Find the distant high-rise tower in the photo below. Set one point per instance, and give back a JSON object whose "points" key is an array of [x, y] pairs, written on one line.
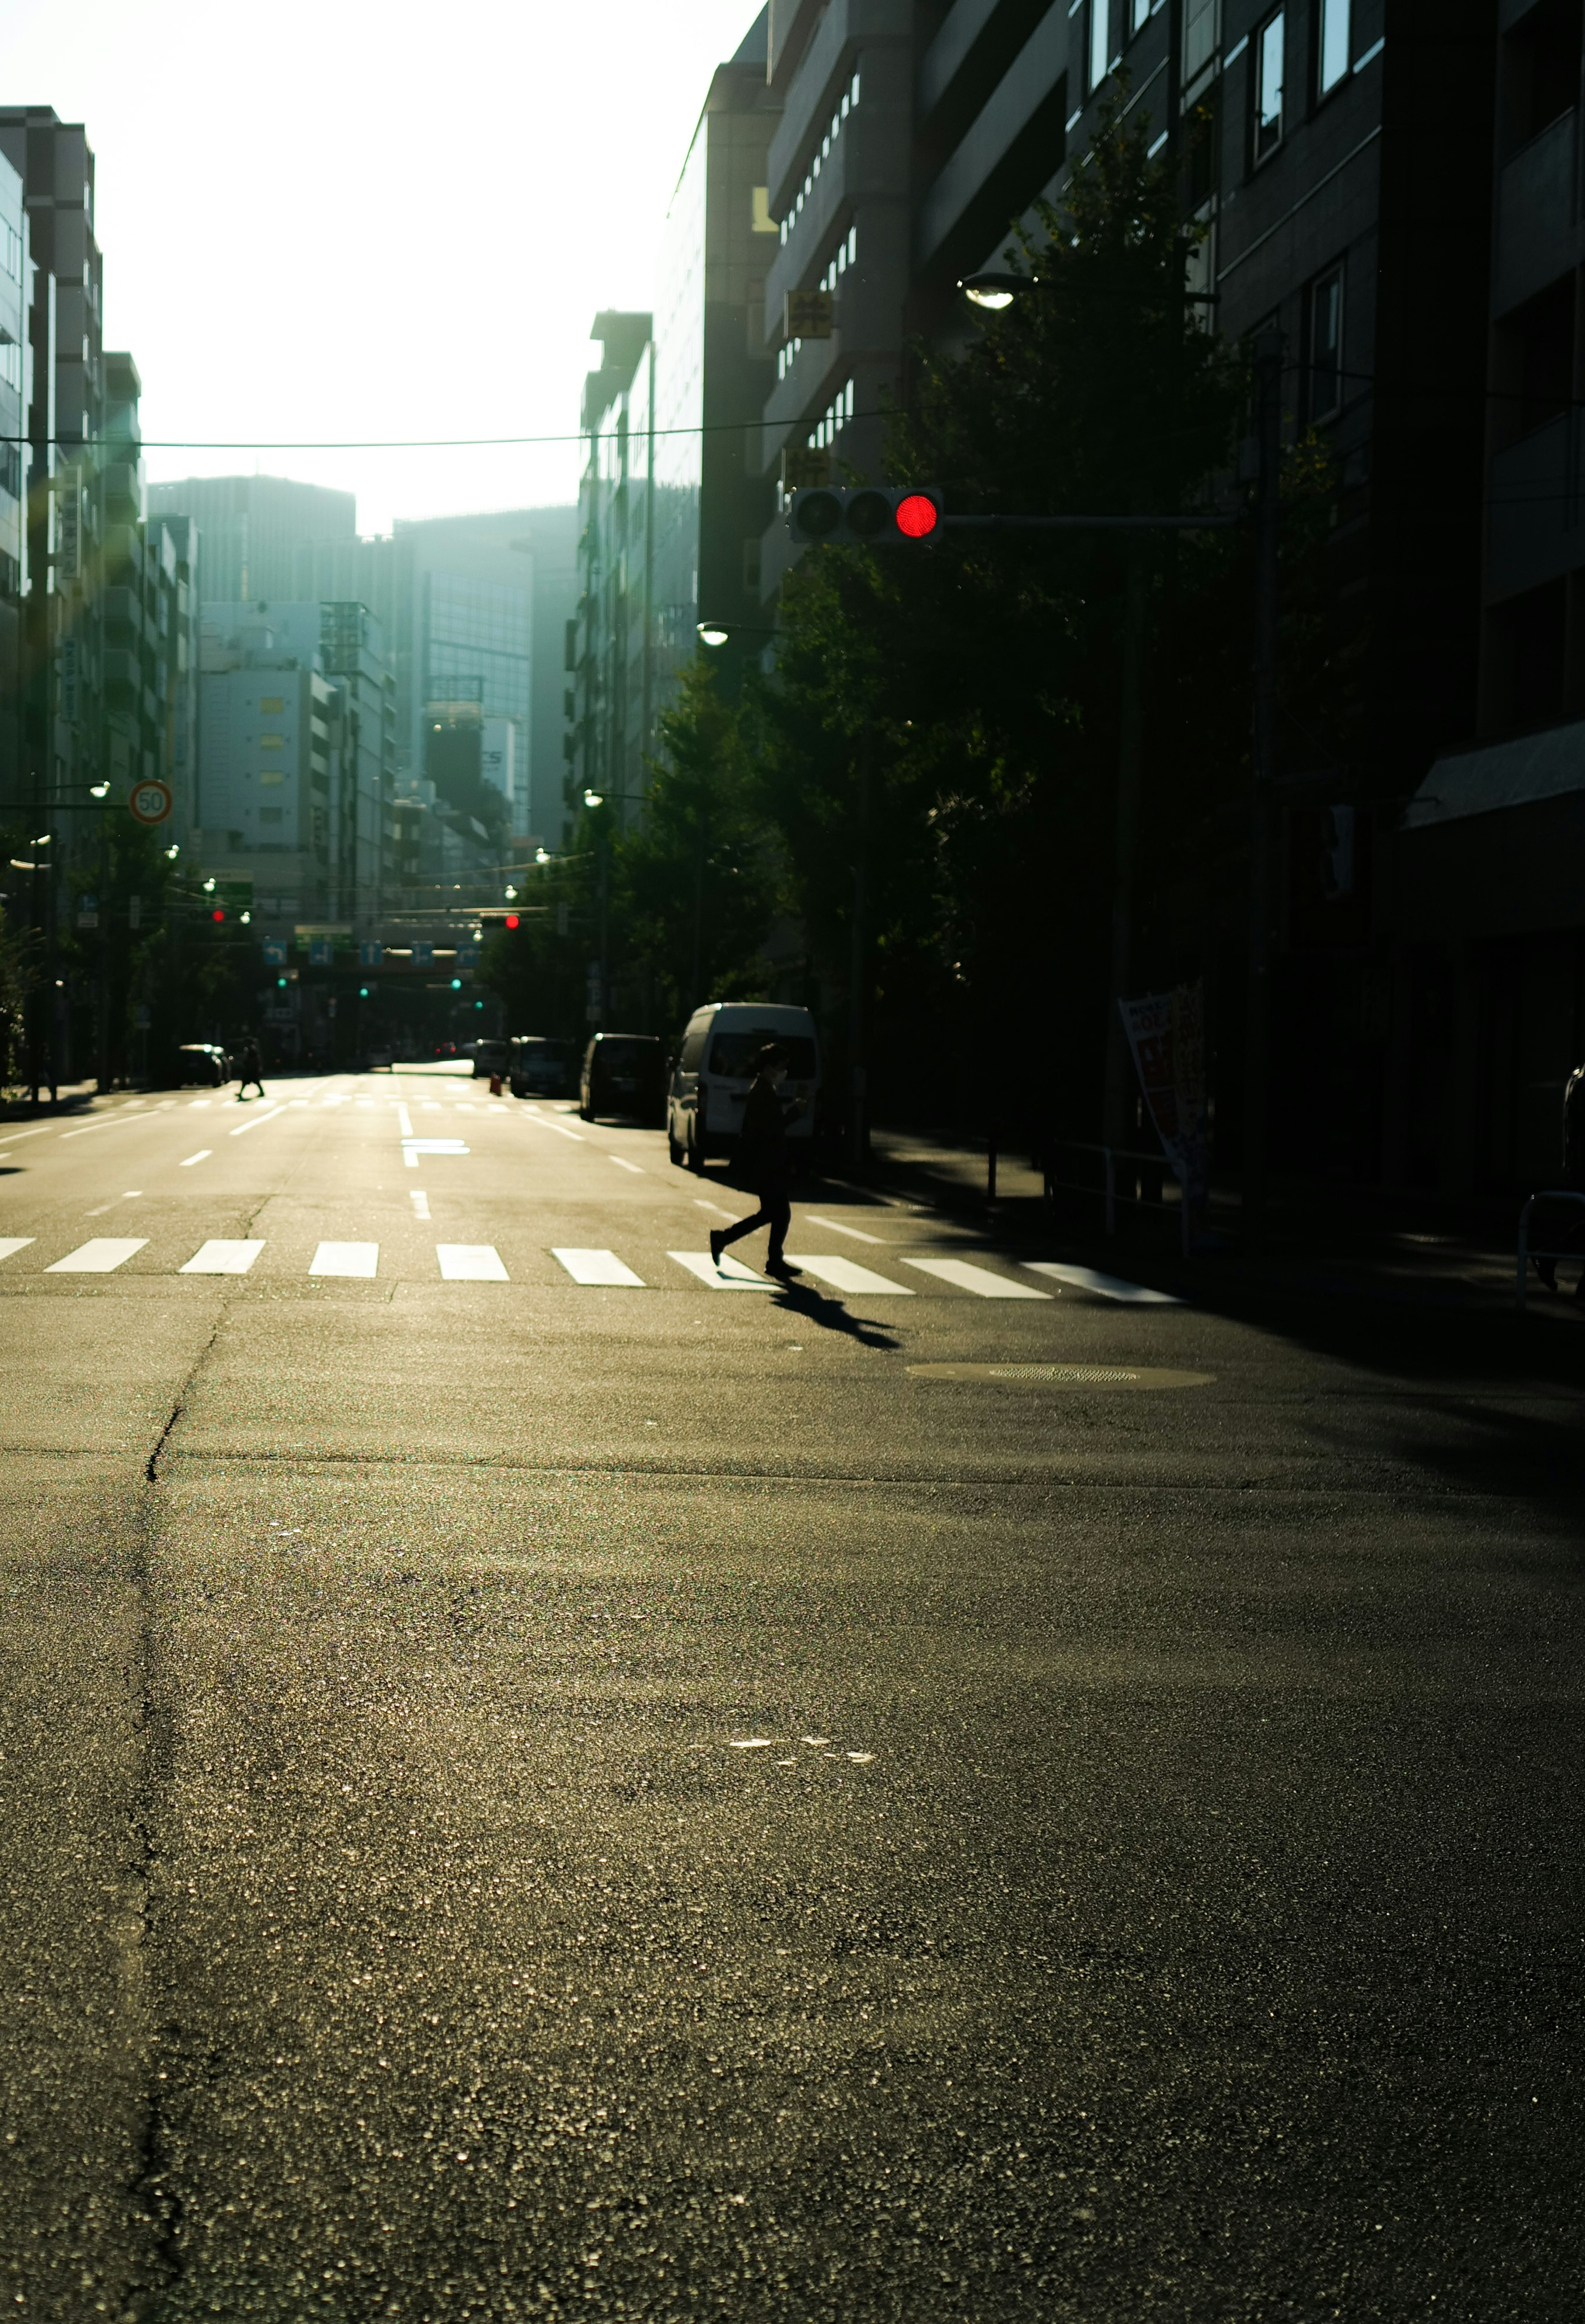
{"points": [[253, 527]]}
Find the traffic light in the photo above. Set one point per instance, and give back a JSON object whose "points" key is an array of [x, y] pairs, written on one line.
{"points": [[867, 514], [511, 919]]}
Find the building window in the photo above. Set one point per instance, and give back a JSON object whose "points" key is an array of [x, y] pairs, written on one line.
{"points": [[1332, 51], [1326, 346], [1268, 87], [270, 813], [271, 706], [1101, 30], [272, 741], [1138, 14], [1200, 35], [271, 775]]}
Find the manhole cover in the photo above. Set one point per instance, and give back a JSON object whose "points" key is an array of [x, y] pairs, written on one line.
{"points": [[1135, 1375]]}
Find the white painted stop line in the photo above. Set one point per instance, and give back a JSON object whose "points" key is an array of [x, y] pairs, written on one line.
{"points": [[10, 1243], [346, 1258], [845, 1275], [598, 1267], [470, 1262], [103, 1256], [221, 1258], [981, 1280]]}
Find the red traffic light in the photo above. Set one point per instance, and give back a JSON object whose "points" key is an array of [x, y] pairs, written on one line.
{"points": [[511, 919], [917, 515], [217, 914]]}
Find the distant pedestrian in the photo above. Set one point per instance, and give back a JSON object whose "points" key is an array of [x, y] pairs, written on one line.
{"points": [[1573, 1178], [250, 1068], [764, 1163]]}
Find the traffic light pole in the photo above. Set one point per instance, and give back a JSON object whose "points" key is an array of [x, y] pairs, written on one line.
{"points": [[1268, 376], [857, 1093], [1130, 756]]}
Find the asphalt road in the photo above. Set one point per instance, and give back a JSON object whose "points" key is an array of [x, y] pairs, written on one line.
{"points": [[527, 1797]]}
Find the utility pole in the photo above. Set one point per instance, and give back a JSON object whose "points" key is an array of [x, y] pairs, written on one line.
{"points": [[1130, 759], [1268, 414], [858, 967]]}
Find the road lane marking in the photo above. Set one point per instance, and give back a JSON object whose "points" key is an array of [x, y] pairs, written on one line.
{"points": [[837, 1227], [845, 1275], [470, 1262], [221, 1258], [623, 1164], [981, 1280], [193, 1104], [545, 1121], [100, 1257], [346, 1258], [14, 1137], [730, 1276], [411, 1147], [421, 1203], [1108, 1287], [114, 1123], [11, 1244], [202, 1155], [598, 1266], [257, 1122], [699, 1203], [405, 1121], [297, 1100], [431, 1105], [1084, 1376]]}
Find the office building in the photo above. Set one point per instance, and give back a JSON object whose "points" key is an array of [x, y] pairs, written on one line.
{"points": [[674, 506], [14, 303], [253, 527]]}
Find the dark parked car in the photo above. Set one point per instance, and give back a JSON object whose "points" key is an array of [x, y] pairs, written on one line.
{"points": [[540, 1068], [205, 1062], [624, 1074], [490, 1057]]}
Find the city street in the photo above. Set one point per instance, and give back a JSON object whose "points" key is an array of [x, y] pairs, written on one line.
{"points": [[541, 1781]]}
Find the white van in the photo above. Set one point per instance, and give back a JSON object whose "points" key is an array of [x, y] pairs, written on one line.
{"points": [[712, 1072]]}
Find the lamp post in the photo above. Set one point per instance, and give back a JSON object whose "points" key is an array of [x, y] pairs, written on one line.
{"points": [[593, 799]]}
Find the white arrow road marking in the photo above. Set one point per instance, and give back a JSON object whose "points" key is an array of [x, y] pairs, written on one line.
{"points": [[981, 1280], [845, 1275], [411, 1147], [100, 1257], [598, 1266], [220, 1258]]}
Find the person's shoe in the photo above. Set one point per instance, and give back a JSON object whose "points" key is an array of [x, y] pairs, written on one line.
{"points": [[717, 1239], [781, 1271]]}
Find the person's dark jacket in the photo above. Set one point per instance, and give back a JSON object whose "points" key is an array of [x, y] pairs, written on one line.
{"points": [[764, 1157]]}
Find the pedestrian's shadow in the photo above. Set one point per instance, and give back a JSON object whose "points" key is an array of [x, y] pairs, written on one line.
{"points": [[813, 1306]]}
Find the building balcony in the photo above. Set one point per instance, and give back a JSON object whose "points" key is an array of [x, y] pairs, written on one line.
{"points": [[1537, 215], [123, 494], [1536, 530], [827, 64]]}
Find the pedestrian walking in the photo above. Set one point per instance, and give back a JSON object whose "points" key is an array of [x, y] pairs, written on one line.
{"points": [[763, 1164], [251, 1067], [1573, 1177]]}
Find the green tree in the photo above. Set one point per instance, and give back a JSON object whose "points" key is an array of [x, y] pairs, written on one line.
{"points": [[981, 681]]}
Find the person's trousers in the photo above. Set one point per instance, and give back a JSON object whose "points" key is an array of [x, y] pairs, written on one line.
{"points": [[775, 1212]]}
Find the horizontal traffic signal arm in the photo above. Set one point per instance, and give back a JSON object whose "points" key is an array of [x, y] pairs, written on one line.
{"points": [[869, 514]]}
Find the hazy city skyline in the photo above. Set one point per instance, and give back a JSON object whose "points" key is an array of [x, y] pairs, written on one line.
{"points": [[271, 209]]}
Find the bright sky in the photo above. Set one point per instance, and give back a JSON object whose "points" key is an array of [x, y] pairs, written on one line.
{"points": [[329, 219]]}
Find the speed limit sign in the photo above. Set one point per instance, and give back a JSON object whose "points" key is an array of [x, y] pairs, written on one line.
{"points": [[150, 802]]}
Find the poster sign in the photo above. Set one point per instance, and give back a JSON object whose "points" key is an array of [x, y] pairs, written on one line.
{"points": [[1166, 1033]]}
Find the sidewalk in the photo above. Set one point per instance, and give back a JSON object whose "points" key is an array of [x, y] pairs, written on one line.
{"points": [[1308, 1252]]}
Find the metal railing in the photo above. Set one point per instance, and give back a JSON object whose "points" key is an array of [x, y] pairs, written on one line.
{"points": [[1522, 1271], [1111, 1158]]}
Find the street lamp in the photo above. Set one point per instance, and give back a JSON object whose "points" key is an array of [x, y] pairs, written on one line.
{"points": [[594, 799], [715, 634], [543, 856], [994, 293], [99, 791]]}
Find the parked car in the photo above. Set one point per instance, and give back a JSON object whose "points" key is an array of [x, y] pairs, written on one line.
{"points": [[490, 1057], [713, 1071], [204, 1062], [624, 1074], [539, 1067]]}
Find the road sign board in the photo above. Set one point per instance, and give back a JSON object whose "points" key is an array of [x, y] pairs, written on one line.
{"points": [[151, 801]]}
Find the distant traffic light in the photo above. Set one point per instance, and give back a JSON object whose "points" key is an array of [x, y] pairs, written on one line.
{"points": [[864, 513], [511, 919], [217, 914]]}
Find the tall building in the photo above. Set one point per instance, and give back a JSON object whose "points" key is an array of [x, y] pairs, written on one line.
{"points": [[298, 764], [465, 610], [253, 527], [674, 506], [14, 305]]}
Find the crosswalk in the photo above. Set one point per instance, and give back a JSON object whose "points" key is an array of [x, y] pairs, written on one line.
{"points": [[593, 1268]]}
